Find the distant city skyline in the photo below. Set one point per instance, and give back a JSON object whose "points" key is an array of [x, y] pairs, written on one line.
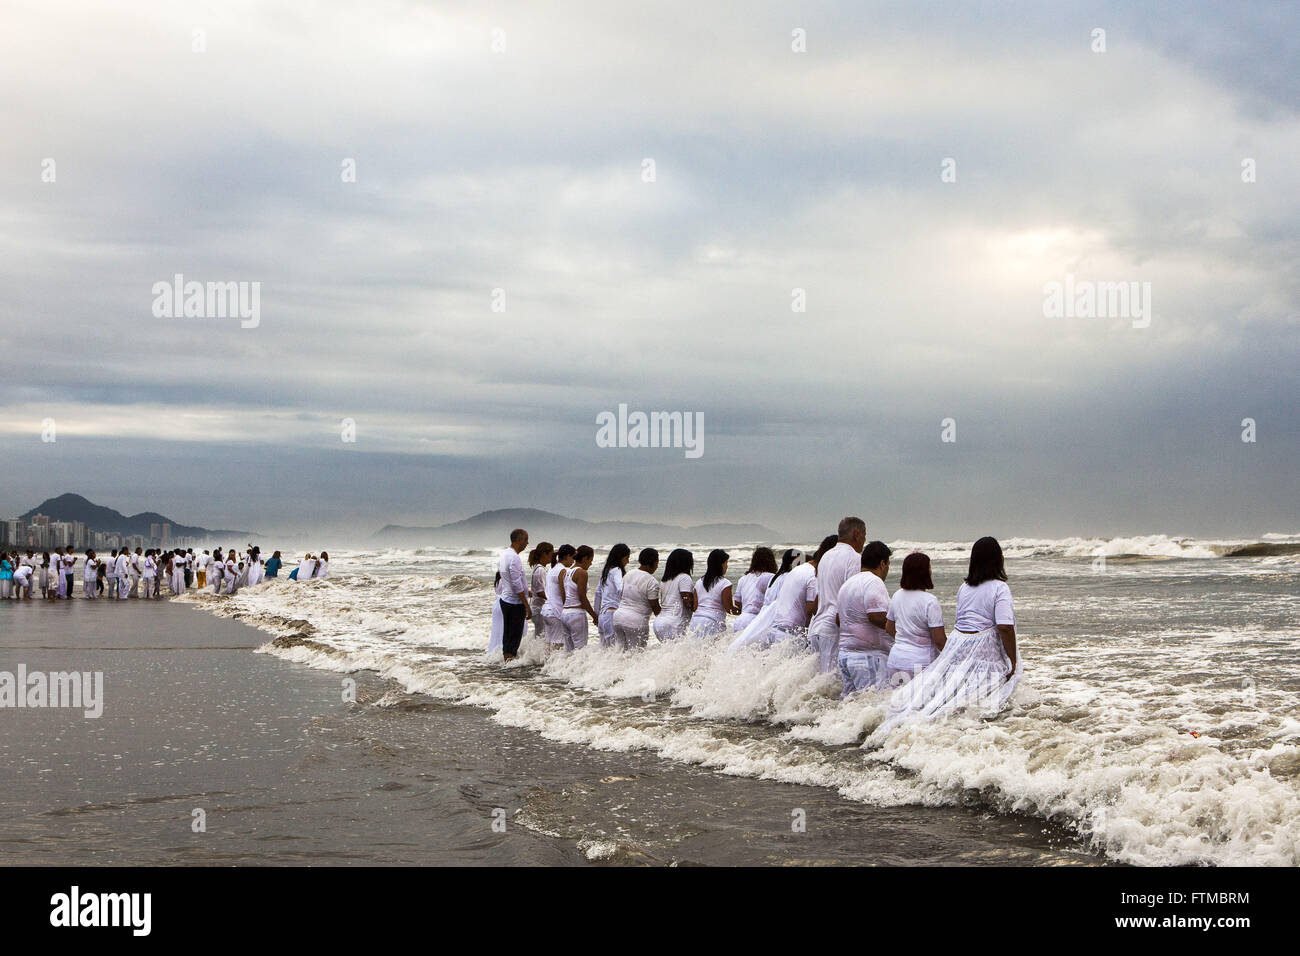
{"points": [[1022, 270]]}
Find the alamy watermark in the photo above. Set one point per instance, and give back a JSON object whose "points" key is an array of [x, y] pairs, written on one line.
{"points": [[77, 690], [651, 430], [1085, 299], [208, 300]]}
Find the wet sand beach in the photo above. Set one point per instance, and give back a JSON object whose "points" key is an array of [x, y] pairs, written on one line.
{"points": [[287, 772]]}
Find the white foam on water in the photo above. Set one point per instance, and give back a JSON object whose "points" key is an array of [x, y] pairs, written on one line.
{"points": [[1097, 738]]}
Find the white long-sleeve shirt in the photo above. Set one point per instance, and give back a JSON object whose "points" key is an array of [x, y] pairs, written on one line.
{"points": [[513, 582]]}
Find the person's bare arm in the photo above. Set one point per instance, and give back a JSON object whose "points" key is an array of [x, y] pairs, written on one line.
{"points": [[877, 618], [1008, 634], [939, 636], [890, 629], [728, 606], [580, 582]]}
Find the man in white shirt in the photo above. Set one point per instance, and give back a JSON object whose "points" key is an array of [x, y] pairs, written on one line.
{"points": [[835, 567], [134, 570], [69, 572], [111, 575], [120, 569], [514, 594]]}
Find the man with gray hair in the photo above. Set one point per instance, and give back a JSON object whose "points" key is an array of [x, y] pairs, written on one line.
{"points": [[836, 566]]}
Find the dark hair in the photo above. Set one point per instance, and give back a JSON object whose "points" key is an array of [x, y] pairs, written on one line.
{"points": [[713, 570], [615, 560], [874, 553], [985, 562], [584, 551], [828, 542], [916, 572], [787, 562], [680, 561], [648, 557], [565, 551], [763, 560], [517, 534], [535, 555]]}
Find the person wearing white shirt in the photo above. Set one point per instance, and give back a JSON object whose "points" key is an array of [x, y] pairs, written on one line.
{"points": [[609, 592], [323, 566], [111, 575], [306, 567], [512, 593], [796, 602], [121, 572], [862, 608], [836, 566], [217, 570], [201, 569], [88, 577], [553, 609], [134, 570], [713, 596], [676, 596], [638, 599], [751, 589], [979, 667], [915, 621], [149, 573], [577, 608], [539, 562], [69, 573]]}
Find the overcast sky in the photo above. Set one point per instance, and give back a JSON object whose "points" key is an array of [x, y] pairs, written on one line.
{"points": [[522, 169]]}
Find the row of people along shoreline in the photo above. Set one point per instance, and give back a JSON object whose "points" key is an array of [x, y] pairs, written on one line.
{"points": [[834, 604]]}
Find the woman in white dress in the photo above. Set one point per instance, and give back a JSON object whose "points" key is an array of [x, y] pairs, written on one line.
{"points": [[553, 609], [539, 562], [217, 571], [323, 566], [758, 632], [178, 573], [88, 578], [577, 608], [638, 599], [713, 596], [861, 613], [610, 591], [915, 621], [306, 567], [979, 667], [751, 589], [676, 596]]}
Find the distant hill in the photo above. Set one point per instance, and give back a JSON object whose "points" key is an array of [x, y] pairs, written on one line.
{"points": [[70, 507], [493, 527]]}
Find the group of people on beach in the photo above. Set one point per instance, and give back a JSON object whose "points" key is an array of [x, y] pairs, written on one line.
{"points": [[833, 604], [142, 574]]}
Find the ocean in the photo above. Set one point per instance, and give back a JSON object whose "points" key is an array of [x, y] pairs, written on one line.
{"points": [[1158, 722]]}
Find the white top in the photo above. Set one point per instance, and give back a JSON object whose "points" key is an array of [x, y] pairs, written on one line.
{"points": [[913, 613], [671, 593], [306, 567], [204, 561], [323, 571], [150, 566], [120, 565], [91, 564], [554, 606], [981, 607], [751, 590], [68, 561], [511, 569], [836, 566], [639, 589], [217, 568], [773, 590], [571, 599], [611, 591], [863, 594], [537, 587], [22, 573], [709, 603], [797, 586]]}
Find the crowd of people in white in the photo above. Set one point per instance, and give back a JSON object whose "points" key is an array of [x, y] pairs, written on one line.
{"points": [[143, 573], [834, 605]]}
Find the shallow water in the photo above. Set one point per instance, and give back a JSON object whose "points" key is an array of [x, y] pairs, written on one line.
{"points": [[1124, 659]]}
